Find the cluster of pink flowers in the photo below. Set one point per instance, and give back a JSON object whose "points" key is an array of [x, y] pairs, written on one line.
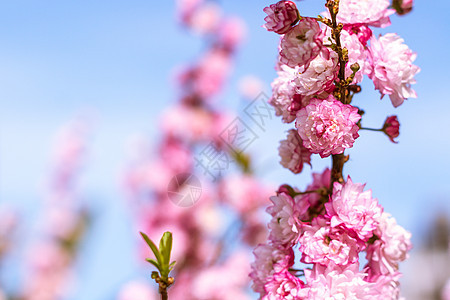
{"points": [[308, 68], [330, 233], [202, 232], [334, 221], [63, 222]]}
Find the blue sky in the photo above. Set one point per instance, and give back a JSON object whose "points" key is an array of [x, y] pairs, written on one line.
{"points": [[115, 60]]}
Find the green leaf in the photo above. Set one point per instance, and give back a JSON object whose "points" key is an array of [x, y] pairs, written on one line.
{"points": [[153, 248], [165, 247], [155, 263], [172, 264]]}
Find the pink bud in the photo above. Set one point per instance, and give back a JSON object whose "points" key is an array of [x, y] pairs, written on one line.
{"points": [[391, 128], [285, 188], [281, 16], [402, 6]]}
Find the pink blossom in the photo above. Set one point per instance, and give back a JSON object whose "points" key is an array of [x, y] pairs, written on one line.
{"points": [[232, 32], [176, 155], [221, 119], [254, 231], [328, 126], [214, 67], [386, 287], [185, 9], [187, 123], [301, 44], [356, 54], [205, 18], [312, 204], [61, 221], [320, 181], [363, 32], [319, 76], [281, 16], [210, 217], [373, 12], [284, 226], [222, 281], [49, 274], [269, 259], [206, 78], [69, 155], [283, 286], [353, 208], [391, 248], [302, 210], [243, 193], [148, 175], [334, 283], [284, 98], [392, 69], [323, 244], [292, 152], [250, 87], [391, 128], [137, 290], [283, 92]]}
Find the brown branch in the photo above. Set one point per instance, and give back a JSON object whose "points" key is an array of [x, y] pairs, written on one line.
{"points": [[163, 286], [342, 93], [336, 171], [336, 28], [163, 293]]}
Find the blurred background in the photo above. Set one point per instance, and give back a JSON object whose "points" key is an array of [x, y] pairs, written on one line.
{"points": [[83, 88]]}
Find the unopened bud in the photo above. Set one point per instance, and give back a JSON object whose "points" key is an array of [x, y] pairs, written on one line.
{"points": [[391, 128], [154, 275], [354, 67], [402, 7]]}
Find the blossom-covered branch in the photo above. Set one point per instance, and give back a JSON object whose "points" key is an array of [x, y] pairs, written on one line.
{"points": [[321, 64]]}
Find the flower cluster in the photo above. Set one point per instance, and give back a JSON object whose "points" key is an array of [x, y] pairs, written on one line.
{"points": [[330, 232], [334, 221], [309, 66]]}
